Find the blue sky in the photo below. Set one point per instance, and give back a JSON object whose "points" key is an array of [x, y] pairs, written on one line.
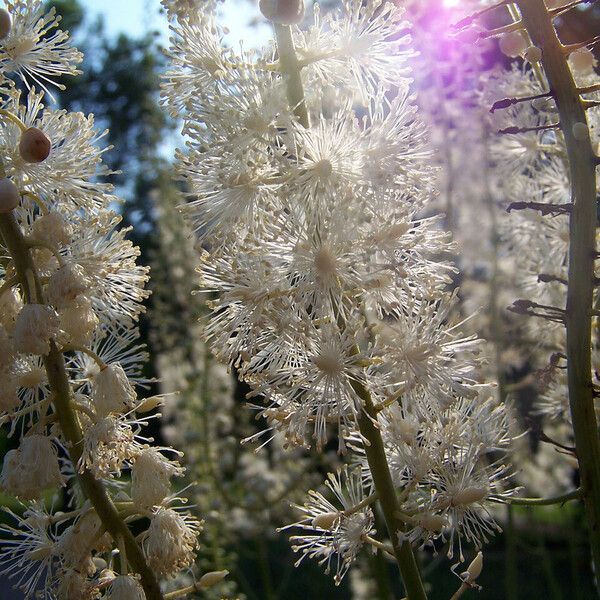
{"points": [[137, 17]]}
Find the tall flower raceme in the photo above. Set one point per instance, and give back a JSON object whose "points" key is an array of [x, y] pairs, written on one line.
{"points": [[243, 496], [450, 74], [70, 363], [309, 181], [546, 109]]}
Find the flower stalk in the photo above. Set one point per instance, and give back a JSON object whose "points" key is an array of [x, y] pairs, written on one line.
{"points": [[374, 448], [582, 251], [290, 66], [388, 499]]}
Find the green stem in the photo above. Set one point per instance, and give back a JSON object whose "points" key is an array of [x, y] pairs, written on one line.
{"points": [[582, 163], [379, 565], [549, 568], [574, 495], [61, 397], [512, 579], [388, 499], [264, 569]]}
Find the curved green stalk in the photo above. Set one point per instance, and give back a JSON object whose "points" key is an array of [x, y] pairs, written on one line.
{"points": [[574, 495], [582, 252]]}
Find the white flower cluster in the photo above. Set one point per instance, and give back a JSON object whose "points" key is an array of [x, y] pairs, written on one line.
{"points": [[331, 277], [70, 367]]}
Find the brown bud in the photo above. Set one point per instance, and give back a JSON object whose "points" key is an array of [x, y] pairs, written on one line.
{"points": [[34, 145], [209, 579], [283, 12], [5, 23], [9, 195]]}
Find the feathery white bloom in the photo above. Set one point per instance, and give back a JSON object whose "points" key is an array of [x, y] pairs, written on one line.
{"points": [[35, 326], [360, 45], [109, 262], [31, 468], [35, 48], [70, 171], [107, 445], [112, 344], [125, 587], [150, 478], [28, 552], [171, 540], [112, 392], [332, 537]]}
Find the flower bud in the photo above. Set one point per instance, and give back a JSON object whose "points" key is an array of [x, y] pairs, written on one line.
{"points": [[533, 54], [111, 391], [77, 541], [433, 523], [5, 23], [149, 404], [9, 196], [79, 321], [474, 569], [9, 397], [580, 131], [66, 284], [10, 307], [126, 587], [35, 326], [99, 563], [34, 145], [469, 495], [170, 541], [51, 229], [73, 584], [582, 61], [150, 478], [209, 579], [31, 468], [283, 12], [325, 521], [513, 44], [7, 354]]}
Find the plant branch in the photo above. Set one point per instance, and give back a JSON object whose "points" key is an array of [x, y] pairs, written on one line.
{"points": [[388, 499], [583, 219], [573, 495]]}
